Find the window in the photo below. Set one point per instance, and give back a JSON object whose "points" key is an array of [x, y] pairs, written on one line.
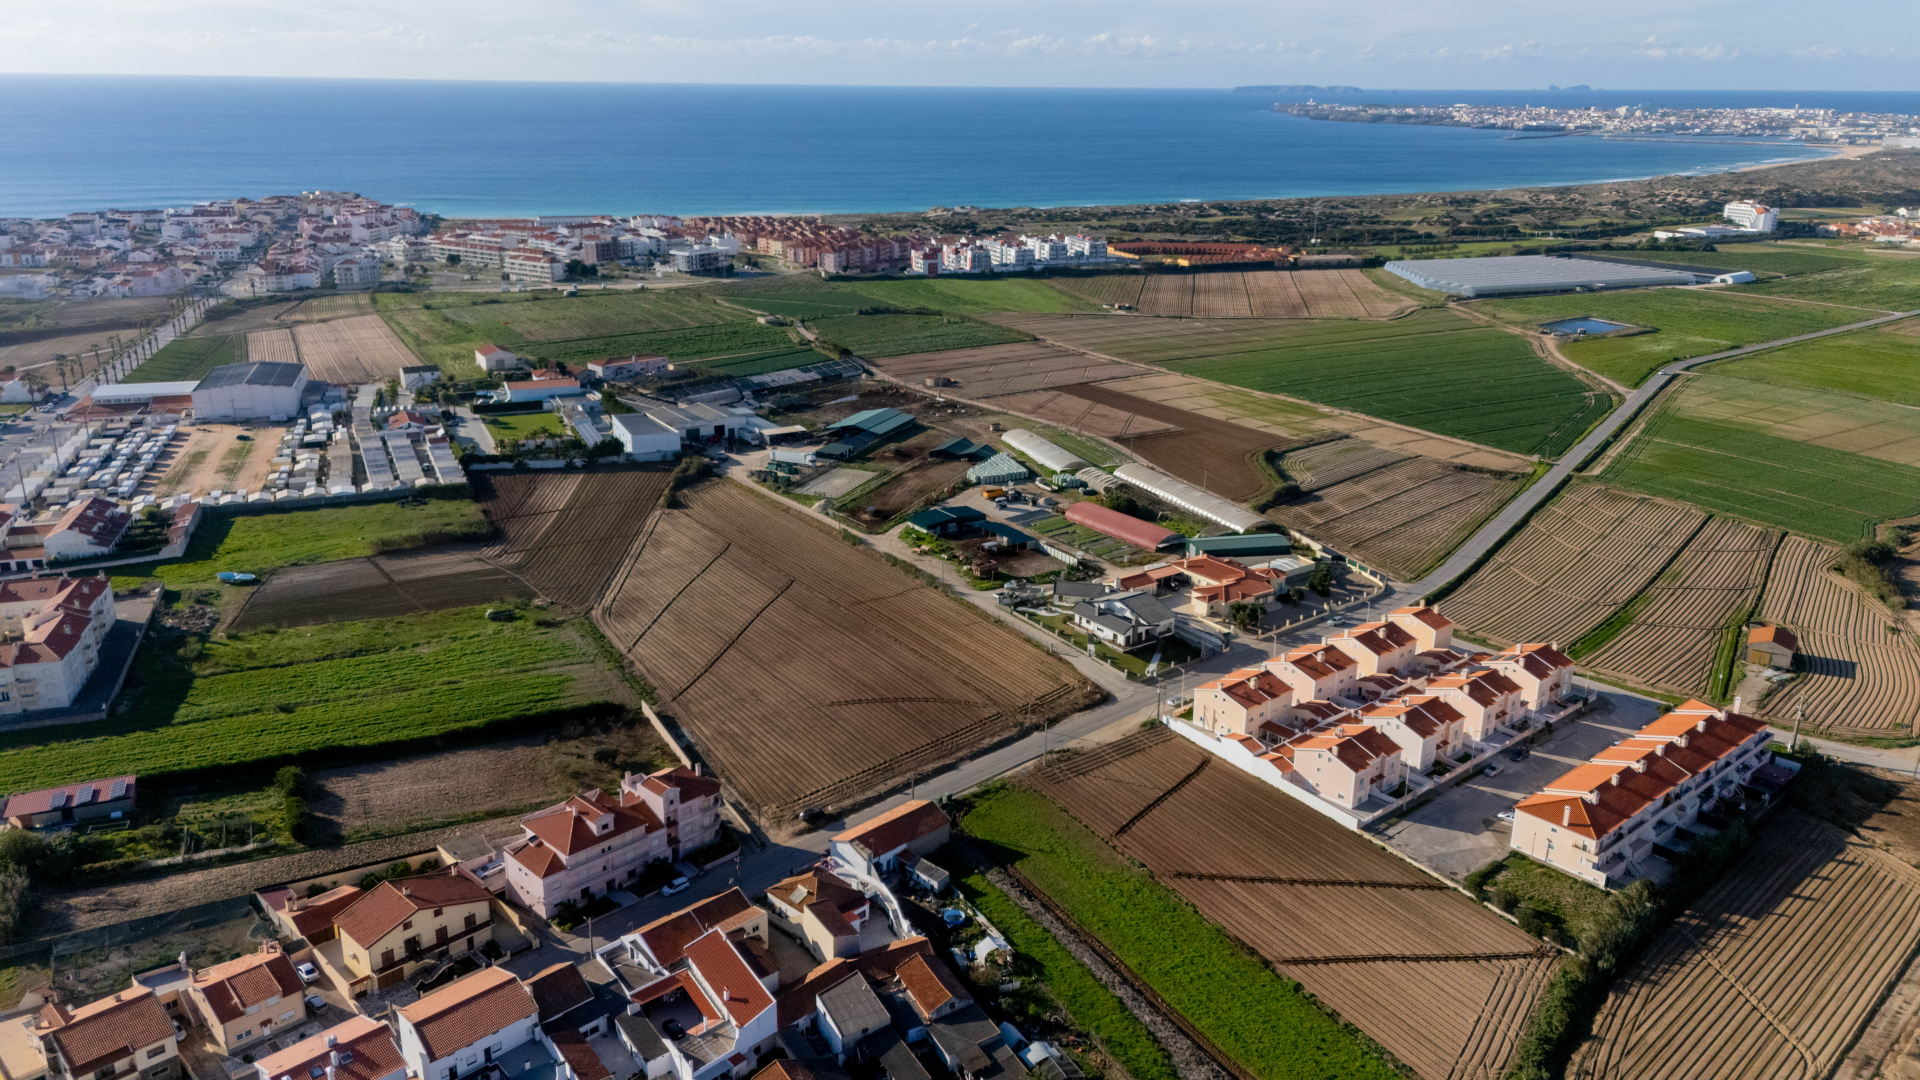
{"points": [[437, 911], [156, 1052], [408, 925], [244, 1036]]}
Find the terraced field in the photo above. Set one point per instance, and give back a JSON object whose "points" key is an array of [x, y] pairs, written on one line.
{"points": [[1399, 512], [1676, 632], [1444, 985], [1861, 677], [809, 671], [1581, 558], [1433, 369], [1793, 949]]}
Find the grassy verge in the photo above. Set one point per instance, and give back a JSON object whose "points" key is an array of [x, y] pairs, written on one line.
{"points": [[1264, 1021], [1616, 623], [1094, 1008]]}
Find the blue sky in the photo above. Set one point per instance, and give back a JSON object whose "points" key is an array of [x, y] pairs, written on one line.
{"points": [[1641, 44]]}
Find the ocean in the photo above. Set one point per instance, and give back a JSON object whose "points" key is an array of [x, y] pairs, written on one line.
{"points": [[484, 149]]}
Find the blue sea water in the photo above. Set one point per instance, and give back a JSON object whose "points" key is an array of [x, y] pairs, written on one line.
{"points": [[475, 149]]}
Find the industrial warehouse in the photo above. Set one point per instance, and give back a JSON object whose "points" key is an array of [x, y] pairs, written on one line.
{"points": [[1512, 274]]}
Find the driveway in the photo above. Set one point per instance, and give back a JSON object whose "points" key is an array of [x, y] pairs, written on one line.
{"points": [[1456, 833]]}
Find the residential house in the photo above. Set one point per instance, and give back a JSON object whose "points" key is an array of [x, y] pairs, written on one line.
{"points": [[1348, 763], [125, 1034], [877, 1006], [57, 626], [1543, 673], [702, 975], [90, 527], [1424, 726], [574, 1012], [621, 368], [246, 1000], [1243, 702], [1124, 620], [358, 1048], [1379, 648], [356, 273], [462, 1027], [1219, 583], [494, 358], [94, 800], [594, 843], [402, 924], [1430, 629], [306, 918], [827, 913], [879, 845], [418, 375], [1316, 672], [1772, 646], [1602, 821], [1487, 698]]}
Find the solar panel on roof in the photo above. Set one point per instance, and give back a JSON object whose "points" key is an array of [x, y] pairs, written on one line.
{"points": [[83, 796], [58, 800], [118, 791], [261, 373]]}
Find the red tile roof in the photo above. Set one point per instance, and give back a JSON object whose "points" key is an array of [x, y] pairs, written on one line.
{"points": [[457, 1016], [366, 1047], [381, 910], [896, 828], [230, 989], [581, 1060], [102, 1032], [1777, 635], [41, 801], [576, 824], [667, 938], [721, 968], [309, 916]]}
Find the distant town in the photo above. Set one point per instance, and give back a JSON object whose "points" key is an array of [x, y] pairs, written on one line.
{"points": [[1828, 126]]}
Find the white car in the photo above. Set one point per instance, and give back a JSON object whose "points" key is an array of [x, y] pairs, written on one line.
{"points": [[308, 973], [1504, 815], [678, 884], [1492, 769]]}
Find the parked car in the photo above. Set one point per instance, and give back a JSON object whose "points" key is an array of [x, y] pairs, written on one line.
{"points": [[1492, 769], [678, 884], [672, 1029], [316, 1003], [1518, 754], [178, 1031], [308, 973], [1505, 815]]}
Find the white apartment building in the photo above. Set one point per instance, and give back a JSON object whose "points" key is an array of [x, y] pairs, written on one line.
{"points": [[356, 273], [594, 843], [1008, 254], [461, 1027], [1752, 216], [1082, 246], [964, 258], [920, 261], [1046, 248]]}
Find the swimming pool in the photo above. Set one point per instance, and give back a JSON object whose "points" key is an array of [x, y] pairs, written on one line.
{"points": [[1584, 326]]}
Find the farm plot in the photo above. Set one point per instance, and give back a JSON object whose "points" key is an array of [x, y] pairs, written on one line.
{"points": [[1441, 983], [1002, 369], [377, 587], [1877, 363], [1395, 511], [1082, 415], [564, 535], [1433, 369], [910, 486], [871, 336], [1817, 464], [1793, 949], [1216, 454], [1874, 279], [1673, 633], [1221, 296], [351, 351], [238, 318], [1104, 289], [1580, 559], [1860, 676], [187, 359], [272, 347], [1167, 294], [1234, 294], [810, 671]]}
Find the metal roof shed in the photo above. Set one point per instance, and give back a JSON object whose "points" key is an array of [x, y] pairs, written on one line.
{"points": [[1046, 453], [998, 469], [1141, 534], [1248, 546], [1188, 497]]}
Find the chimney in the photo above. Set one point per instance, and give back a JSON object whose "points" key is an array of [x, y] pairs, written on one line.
{"points": [[1566, 815], [1700, 726], [333, 1057], [333, 1041], [406, 891], [1736, 704]]}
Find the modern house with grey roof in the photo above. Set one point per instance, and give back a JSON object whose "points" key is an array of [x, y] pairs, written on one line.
{"points": [[1125, 620]]}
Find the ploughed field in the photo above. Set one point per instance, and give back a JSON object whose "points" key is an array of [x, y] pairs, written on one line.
{"points": [[1859, 677], [995, 370], [1399, 512], [1686, 628], [1230, 294], [1773, 973], [1203, 451], [1579, 559], [378, 587], [564, 534], [1439, 982], [808, 670]]}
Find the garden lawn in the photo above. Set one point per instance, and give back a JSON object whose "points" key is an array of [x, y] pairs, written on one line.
{"points": [[523, 425], [256, 543], [1686, 322], [1732, 469], [190, 358], [1883, 363], [898, 335], [1095, 1009], [1262, 1020], [269, 696]]}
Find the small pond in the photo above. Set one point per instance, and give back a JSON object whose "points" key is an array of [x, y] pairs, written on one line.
{"points": [[1584, 326]]}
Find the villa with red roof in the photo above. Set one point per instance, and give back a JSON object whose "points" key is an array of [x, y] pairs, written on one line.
{"points": [[878, 845], [1603, 821], [249, 998], [358, 1048], [594, 843], [403, 924], [126, 1034], [702, 977], [459, 1027]]}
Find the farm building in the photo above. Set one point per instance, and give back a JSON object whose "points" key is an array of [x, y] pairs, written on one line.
{"points": [[1190, 498], [699, 422], [646, 437], [252, 391], [1051, 457], [539, 390], [1010, 536], [95, 800], [495, 358], [876, 423], [1141, 534], [998, 469], [628, 367], [947, 520], [419, 375], [1248, 546], [961, 447], [1507, 274], [1772, 646]]}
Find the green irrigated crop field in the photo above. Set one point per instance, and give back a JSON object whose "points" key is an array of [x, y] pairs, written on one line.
{"points": [[1880, 363], [190, 358], [1687, 322], [804, 296], [1433, 369], [1870, 279], [269, 695], [1262, 1020], [1762, 259], [1745, 473], [899, 335], [1854, 425]]}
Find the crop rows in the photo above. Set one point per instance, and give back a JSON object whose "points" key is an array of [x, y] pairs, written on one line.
{"points": [[1401, 514], [996, 370], [1861, 674], [352, 351], [272, 347], [808, 670], [1674, 637], [1772, 974], [1214, 454], [1221, 296], [564, 534], [1442, 984], [1105, 289], [1579, 559], [376, 588]]}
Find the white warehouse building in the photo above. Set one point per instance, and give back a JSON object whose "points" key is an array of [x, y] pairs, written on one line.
{"points": [[646, 437], [1051, 457], [255, 391], [1190, 498]]}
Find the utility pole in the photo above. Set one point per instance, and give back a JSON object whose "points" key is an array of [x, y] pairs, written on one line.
{"points": [[1799, 710]]}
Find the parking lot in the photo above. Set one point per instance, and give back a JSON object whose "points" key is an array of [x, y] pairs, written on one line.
{"points": [[1459, 831]]}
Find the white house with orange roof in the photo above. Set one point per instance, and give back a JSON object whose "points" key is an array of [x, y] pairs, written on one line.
{"points": [[57, 627], [1424, 726], [1241, 702], [594, 843], [357, 1048], [1543, 673], [1603, 821], [494, 358], [703, 971], [1347, 764], [1380, 648], [467, 1024], [248, 999], [1316, 671], [1487, 698], [881, 844], [1430, 629]]}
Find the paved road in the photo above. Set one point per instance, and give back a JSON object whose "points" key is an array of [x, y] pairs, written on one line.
{"points": [[1517, 510]]}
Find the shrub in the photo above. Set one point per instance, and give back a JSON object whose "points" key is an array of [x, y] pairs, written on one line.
{"points": [[1502, 897], [606, 755]]}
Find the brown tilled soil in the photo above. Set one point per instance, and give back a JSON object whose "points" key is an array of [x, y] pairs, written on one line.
{"points": [[1216, 454]]}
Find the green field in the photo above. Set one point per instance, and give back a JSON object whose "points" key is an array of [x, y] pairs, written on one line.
{"points": [[898, 335], [272, 695], [805, 296], [1762, 259], [191, 357], [523, 425], [1879, 363], [256, 543], [1687, 322], [1262, 1020], [1763, 478], [1432, 369], [1870, 279]]}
